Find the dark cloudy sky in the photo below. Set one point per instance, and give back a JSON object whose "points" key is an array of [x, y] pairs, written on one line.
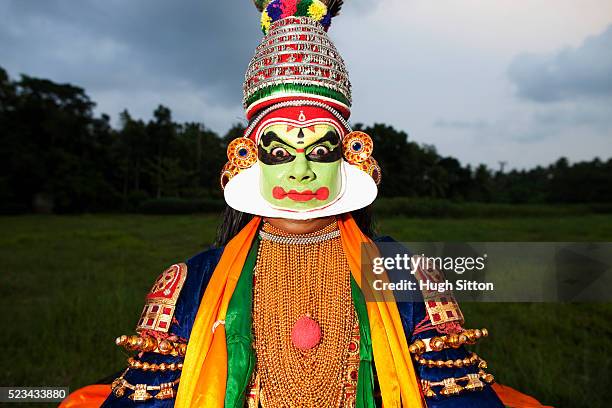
{"points": [[519, 81]]}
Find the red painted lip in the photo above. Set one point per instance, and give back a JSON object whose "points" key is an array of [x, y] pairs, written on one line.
{"points": [[321, 194]]}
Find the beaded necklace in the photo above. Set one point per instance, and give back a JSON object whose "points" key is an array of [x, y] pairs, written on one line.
{"points": [[305, 326]]}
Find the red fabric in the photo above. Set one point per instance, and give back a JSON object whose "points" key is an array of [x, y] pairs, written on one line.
{"points": [[264, 103], [298, 114], [91, 396], [514, 399]]}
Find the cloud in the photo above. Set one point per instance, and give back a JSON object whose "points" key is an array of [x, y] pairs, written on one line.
{"points": [[578, 73], [135, 46], [461, 124]]}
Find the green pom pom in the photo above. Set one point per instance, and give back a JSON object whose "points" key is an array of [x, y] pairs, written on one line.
{"points": [[261, 4], [302, 8]]}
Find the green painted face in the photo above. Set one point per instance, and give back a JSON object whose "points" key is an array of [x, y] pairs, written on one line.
{"points": [[300, 167]]}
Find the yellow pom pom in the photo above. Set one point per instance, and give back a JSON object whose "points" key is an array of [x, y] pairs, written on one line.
{"points": [[317, 10], [266, 21]]}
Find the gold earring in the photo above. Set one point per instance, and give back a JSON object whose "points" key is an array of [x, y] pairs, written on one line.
{"points": [[357, 147], [371, 167], [228, 171], [242, 152]]}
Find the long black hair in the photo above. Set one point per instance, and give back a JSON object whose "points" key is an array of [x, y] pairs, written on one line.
{"points": [[233, 221]]}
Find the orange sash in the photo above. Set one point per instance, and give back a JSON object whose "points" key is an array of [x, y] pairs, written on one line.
{"points": [[205, 367]]}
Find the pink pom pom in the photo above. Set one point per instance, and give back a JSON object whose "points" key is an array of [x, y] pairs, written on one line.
{"points": [[288, 7], [306, 333]]}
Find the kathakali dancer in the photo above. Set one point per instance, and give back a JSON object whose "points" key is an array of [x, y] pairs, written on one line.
{"points": [[276, 316]]}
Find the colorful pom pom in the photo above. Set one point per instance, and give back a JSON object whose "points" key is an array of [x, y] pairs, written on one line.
{"points": [[289, 7], [266, 21], [317, 10], [261, 4], [275, 10], [302, 8], [326, 22]]}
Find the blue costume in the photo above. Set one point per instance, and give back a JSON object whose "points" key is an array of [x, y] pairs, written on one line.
{"points": [[198, 272]]}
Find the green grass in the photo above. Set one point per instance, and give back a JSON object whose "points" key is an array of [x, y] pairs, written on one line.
{"points": [[71, 284]]}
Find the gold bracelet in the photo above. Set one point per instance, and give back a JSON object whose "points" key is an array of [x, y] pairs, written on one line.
{"points": [[151, 344], [473, 383], [144, 366], [141, 391], [468, 361], [439, 343]]}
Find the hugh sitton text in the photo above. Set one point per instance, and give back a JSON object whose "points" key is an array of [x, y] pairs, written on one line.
{"points": [[441, 287]]}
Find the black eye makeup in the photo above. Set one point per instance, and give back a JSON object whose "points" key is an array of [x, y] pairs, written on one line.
{"points": [[327, 149], [272, 150]]}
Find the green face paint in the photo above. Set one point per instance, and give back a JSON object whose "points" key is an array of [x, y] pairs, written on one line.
{"points": [[300, 167]]}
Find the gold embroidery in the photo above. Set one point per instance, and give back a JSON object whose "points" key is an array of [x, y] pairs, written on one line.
{"points": [[253, 392], [352, 369]]}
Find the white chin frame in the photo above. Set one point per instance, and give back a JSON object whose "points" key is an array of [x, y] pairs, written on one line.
{"points": [[242, 193]]}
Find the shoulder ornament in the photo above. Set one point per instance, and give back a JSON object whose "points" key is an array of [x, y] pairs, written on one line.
{"points": [[442, 309], [160, 303]]}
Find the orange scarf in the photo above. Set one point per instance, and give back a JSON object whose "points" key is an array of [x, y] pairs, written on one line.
{"points": [[204, 374]]}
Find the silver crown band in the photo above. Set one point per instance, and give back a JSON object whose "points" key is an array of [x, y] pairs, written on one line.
{"points": [[300, 46], [308, 59], [311, 37], [304, 67]]}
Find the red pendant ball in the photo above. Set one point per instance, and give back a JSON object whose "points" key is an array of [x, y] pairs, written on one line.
{"points": [[306, 333]]}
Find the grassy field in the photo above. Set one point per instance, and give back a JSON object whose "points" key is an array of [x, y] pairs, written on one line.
{"points": [[71, 284]]}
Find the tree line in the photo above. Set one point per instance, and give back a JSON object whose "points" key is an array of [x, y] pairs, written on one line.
{"points": [[58, 155]]}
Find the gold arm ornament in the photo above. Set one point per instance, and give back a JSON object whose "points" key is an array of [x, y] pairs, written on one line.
{"points": [[151, 344], [141, 391], [451, 386], [458, 363], [439, 343], [144, 366]]}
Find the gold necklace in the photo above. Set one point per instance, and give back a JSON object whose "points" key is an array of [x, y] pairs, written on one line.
{"points": [[305, 326]]}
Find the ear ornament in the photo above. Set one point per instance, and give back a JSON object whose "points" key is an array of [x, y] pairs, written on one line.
{"points": [[357, 147], [371, 167], [242, 152]]}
